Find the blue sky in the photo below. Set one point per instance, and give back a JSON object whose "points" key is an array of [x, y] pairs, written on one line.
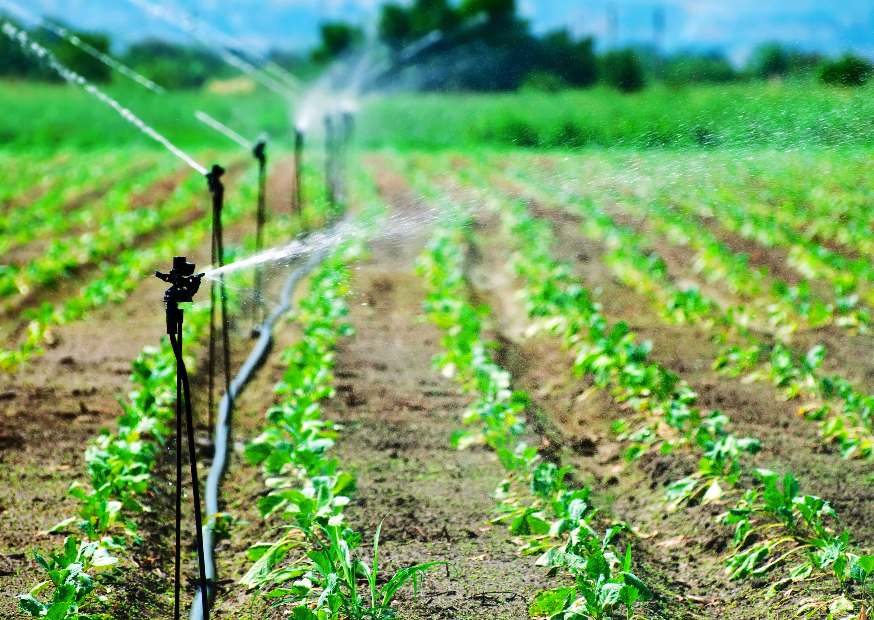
{"points": [[732, 26]]}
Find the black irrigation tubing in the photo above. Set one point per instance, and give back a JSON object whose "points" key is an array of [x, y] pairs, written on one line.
{"points": [[223, 423]]}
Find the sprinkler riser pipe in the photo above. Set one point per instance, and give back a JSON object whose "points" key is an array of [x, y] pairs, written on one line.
{"points": [[183, 286], [296, 190]]}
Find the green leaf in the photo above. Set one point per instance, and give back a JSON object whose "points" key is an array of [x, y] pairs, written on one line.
{"points": [[41, 560], [30, 605], [257, 453], [262, 568], [609, 594], [801, 572], [642, 589], [59, 527], [551, 602]]}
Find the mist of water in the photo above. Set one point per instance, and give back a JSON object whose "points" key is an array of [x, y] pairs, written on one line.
{"points": [[222, 43], [74, 40], [74, 78], [395, 227]]}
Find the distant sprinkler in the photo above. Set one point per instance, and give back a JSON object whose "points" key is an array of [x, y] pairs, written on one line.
{"points": [[183, 286], [217, 189], [260, 153], [297, 188], [330, 159]]}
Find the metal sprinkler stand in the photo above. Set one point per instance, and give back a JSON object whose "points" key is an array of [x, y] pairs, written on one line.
{"points": [[296, 195], [261, 218], [348, 128], [183, 286], [217, 189], [330, 159]]}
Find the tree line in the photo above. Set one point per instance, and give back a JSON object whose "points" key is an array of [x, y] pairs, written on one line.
{"points": [[477, 45]]}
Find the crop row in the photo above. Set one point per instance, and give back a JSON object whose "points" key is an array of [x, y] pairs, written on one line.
{"points": [[790, 523], [844, 410], [78, 204], [119, 276], [307, 489], [556, 521], [120, 466]]}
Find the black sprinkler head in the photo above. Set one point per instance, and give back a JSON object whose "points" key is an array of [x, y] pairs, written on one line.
{"points": [[213, 177], [258, 151], [183, 283]]}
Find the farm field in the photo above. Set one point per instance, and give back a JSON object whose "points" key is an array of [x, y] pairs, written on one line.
{"points": [[618, 380]]}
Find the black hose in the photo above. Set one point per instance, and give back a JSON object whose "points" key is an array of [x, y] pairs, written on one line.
{"points": [[223, 423]]}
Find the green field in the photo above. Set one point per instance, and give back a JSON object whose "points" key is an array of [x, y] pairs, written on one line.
{"points": [[579, 356], [788, 115]]}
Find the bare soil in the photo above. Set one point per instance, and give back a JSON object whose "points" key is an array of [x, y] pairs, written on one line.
{"points": [[398, 413]]}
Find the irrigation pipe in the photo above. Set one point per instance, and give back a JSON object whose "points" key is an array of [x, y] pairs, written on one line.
{"points": [[223, 423]]}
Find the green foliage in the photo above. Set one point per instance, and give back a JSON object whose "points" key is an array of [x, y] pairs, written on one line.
{"points": [[395, 25], [72, 57], [848, 70], [770, 60], [623, 70], [603, 580], [495, 9], [687, 68], [544, 81], [174, 66], [573, 61], [338, 38]]}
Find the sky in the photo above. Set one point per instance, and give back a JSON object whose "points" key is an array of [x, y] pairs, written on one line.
{"points": [[733, 27]]}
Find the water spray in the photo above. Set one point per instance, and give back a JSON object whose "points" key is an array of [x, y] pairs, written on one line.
{"points": [[217, 189], [16, 34], [88, 49], [207, 35], [183, 286]]}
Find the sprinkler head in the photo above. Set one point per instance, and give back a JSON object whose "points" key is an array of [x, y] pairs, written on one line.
{"points": [[259, 150], [213, 178], [183, 283]]}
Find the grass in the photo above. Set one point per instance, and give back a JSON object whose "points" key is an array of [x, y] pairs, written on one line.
{"points": [[776, 115], [46, 117], [781, 115]]}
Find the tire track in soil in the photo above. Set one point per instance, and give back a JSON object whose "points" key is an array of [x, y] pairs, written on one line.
{"points": [[398, 413], [687, 552]]}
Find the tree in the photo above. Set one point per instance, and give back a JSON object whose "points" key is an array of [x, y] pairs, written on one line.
{"points": [[395, 25], [493, 8], [689, 68], [175, 66], [427, 16], [770, 60], [623, 70], [574, 61], [337, 38], [848, 70], [77, 59]]}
